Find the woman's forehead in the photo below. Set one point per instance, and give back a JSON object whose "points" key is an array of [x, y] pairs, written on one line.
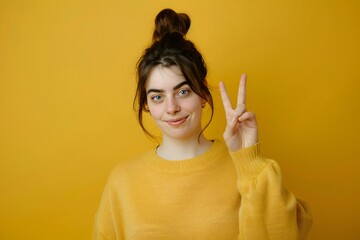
{"points": [[163, 77]]}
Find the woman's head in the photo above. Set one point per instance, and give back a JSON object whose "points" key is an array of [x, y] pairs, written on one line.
{"points": [[170, 48]]}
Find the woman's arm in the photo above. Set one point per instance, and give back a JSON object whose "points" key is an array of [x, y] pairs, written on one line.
{"points": [[268, 210], [104, 226]]}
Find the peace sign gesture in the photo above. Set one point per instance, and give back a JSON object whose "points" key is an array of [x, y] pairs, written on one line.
{"points": [[241, 128]]}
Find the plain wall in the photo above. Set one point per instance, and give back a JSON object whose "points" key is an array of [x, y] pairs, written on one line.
{"points": [[67, 81]]}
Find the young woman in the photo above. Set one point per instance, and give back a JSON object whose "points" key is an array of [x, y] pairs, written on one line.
{"points": [[191, 187]]}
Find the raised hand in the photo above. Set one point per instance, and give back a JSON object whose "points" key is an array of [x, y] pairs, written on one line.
{"points": [[241, 128]]}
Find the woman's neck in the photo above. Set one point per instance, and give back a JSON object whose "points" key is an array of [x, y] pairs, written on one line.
{"points": [[180, 149]]}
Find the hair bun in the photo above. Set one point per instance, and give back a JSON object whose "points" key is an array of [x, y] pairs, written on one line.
{"points": [[168, 21]]}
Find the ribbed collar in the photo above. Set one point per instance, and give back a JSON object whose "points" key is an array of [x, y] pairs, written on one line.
{"points": [[205, 160]]}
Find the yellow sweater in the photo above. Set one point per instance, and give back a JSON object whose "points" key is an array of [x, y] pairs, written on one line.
{"points": [[217, 195]]}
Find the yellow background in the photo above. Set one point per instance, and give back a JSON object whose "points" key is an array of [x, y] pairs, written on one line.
{"points": [[67, 80]]}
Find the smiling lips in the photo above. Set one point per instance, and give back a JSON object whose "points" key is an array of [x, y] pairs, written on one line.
{"points": [[176, 122]]}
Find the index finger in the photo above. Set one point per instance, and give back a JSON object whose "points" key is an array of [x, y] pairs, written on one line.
{"points": [[242, 90], [224, 96]]}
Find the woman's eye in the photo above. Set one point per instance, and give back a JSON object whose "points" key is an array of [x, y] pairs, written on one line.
{"points": [[183, 92], [156, 98]]}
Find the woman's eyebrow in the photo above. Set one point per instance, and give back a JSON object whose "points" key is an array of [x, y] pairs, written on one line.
{"points": [[154, 90], [161, 90], [180, 85]]}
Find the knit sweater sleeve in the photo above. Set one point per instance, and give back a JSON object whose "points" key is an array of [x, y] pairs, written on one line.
{"points": [[104, 226], [268, 210]]}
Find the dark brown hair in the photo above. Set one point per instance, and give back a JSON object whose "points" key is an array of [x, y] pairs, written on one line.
{"points": [[170, 48]]}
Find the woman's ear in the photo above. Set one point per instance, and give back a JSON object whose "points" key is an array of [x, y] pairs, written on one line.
{"points": [[203, 103], [146, 107]]}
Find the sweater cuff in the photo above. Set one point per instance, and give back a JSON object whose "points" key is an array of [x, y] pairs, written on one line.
{"points": [[248, 162]]}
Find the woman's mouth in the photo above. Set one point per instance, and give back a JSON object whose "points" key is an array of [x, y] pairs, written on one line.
{"points": [[176, 122]]}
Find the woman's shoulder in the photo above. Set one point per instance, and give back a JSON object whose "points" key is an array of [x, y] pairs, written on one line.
{"points": [[134, 164]]}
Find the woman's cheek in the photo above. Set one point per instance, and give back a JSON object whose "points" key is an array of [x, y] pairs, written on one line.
{"points": [[155, 111]]}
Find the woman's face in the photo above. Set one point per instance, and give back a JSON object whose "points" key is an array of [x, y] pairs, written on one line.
{"points": [[175, 108]]}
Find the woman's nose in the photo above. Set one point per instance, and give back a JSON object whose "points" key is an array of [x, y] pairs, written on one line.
{"points": [[172, 106]]}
